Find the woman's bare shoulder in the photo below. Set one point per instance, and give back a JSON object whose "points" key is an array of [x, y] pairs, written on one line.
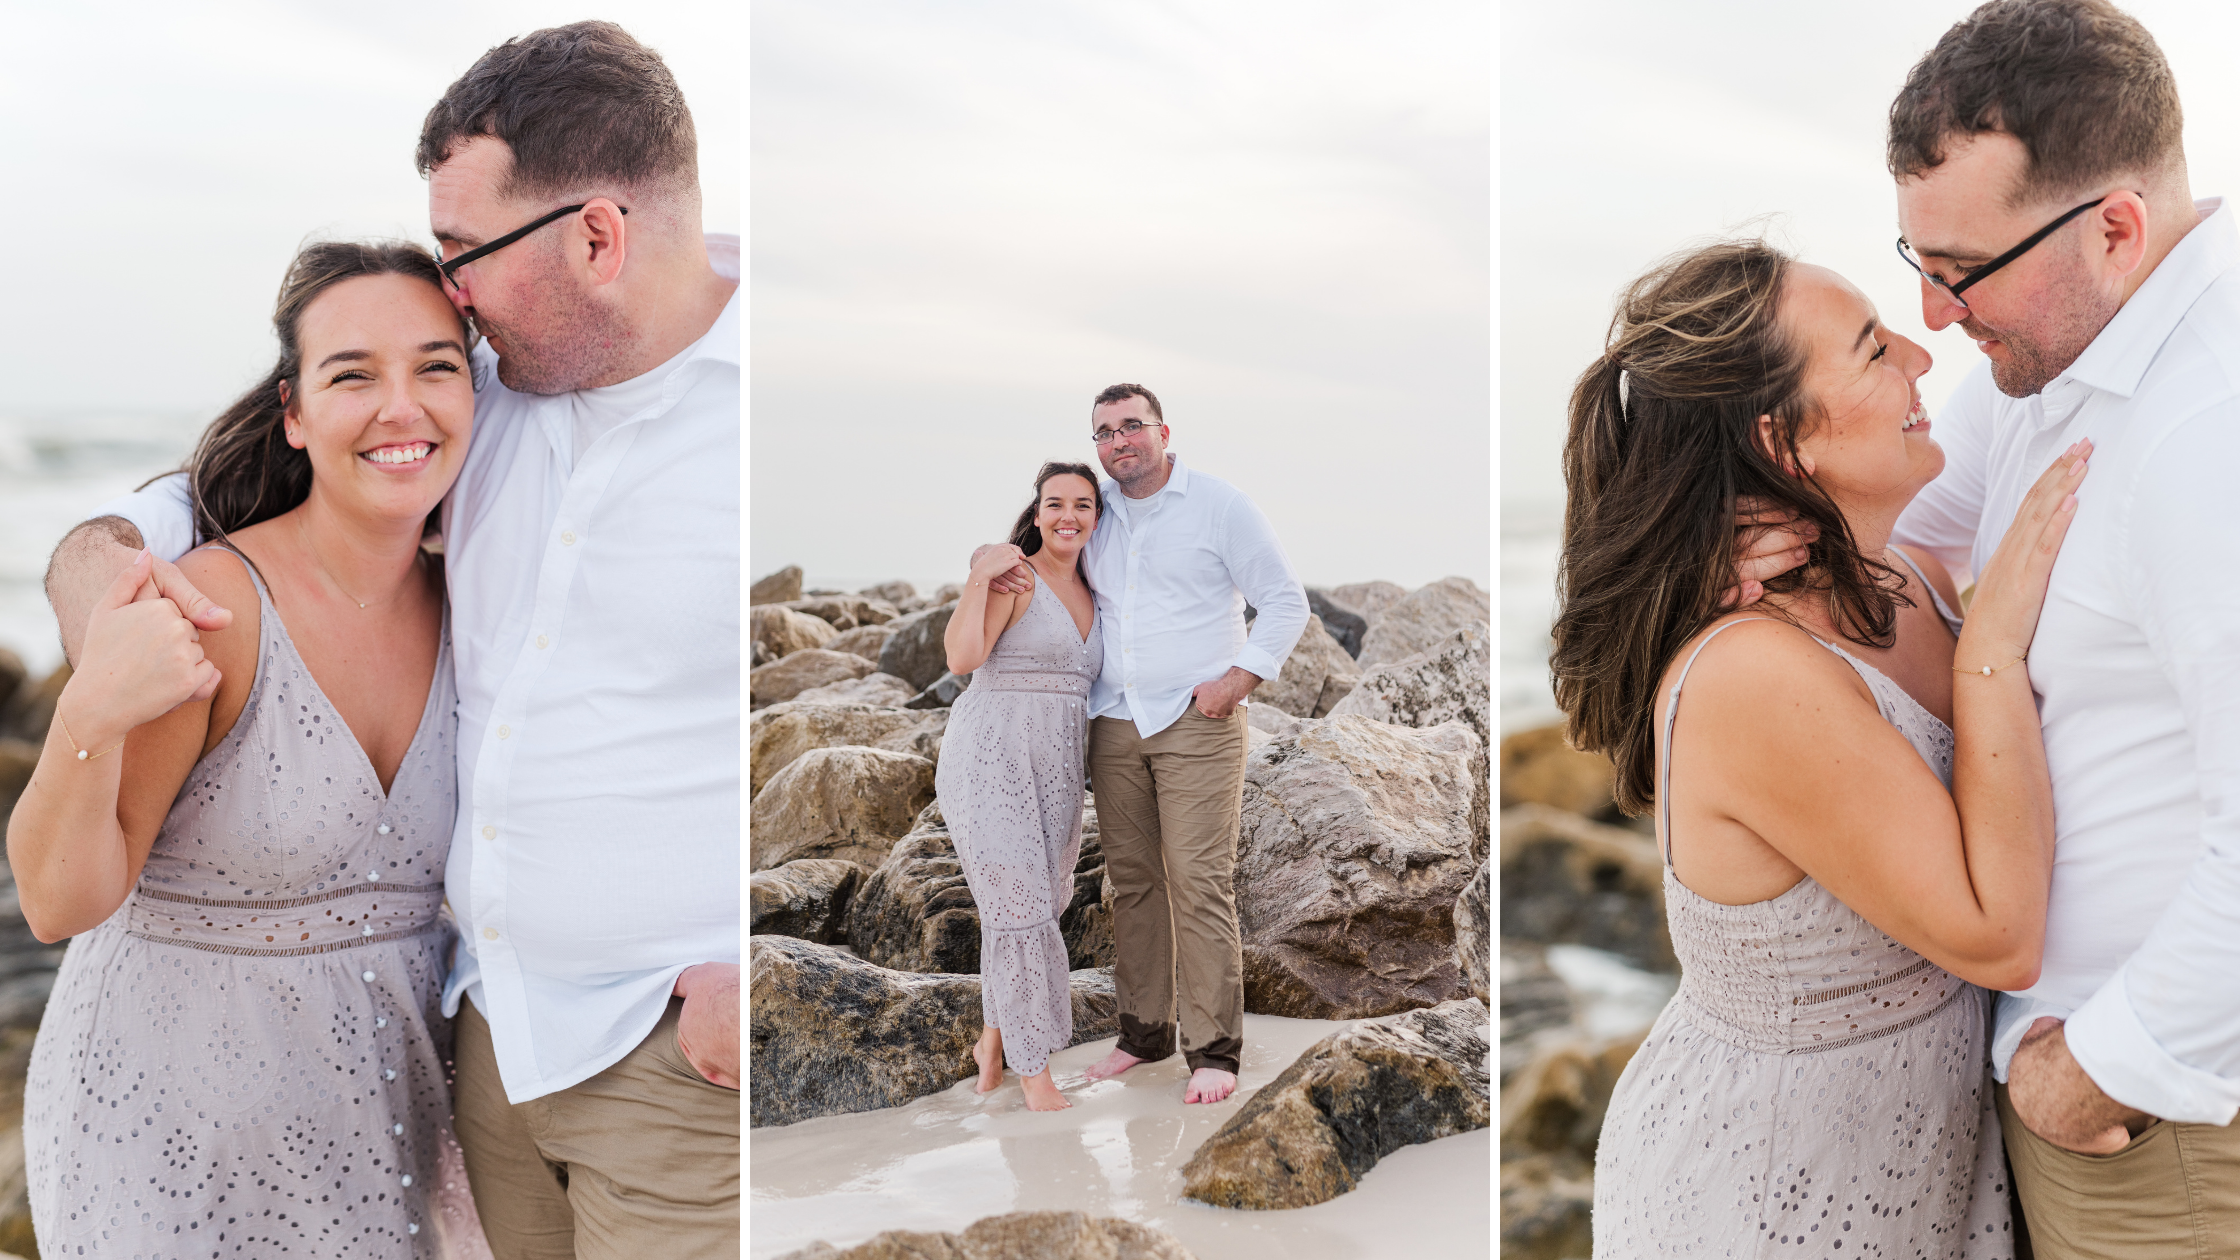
{"points": [[1934, 570], [1749, 656]]}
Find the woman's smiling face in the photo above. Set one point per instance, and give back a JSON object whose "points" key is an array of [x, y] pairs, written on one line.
{"points": [[1867, 443], [384, 401], [1066, 513]]}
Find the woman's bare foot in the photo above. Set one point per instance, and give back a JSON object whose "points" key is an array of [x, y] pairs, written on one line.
{"points": [[1209, 1085], [1042, 1092], [988, 1053], [1111, 1065]]}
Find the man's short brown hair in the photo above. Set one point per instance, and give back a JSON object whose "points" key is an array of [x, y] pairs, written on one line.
{"points": [[581, 106], [2080, 83], [1123, 392]]}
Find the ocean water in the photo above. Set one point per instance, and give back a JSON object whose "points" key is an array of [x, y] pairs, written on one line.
{"points": [[54, 470], [1531, 535]]}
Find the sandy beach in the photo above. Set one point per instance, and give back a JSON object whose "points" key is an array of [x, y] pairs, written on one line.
{"points": [[949, 1159]]}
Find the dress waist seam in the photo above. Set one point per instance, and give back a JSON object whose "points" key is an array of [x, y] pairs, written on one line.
{"points": [[294, 951]]}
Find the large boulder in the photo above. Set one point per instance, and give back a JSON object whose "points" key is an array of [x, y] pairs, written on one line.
{"points": [[1423, 621], [782, 732], [845, 612], [831, 1033], [892, 592], [1538, 766], [1551, 1121], [1316, 675], [883, 690], [1565, 880], [914, 652], [1357, 839], [778, 632], [807, 898], [864, 641], [782, 680], [1353, 1098], [1473, 932], [1369, 599], [1344, 624], [1547, 1206], [1014, 1236], [850, 803], [941, 693], [776, 588], [1448, 684], [917, 913]]}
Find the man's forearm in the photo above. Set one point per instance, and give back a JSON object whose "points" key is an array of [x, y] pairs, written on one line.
{"points": [[84, 563]]}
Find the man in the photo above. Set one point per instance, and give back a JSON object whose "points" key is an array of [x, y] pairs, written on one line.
{"points": [[1167, 731], [2043, 196], [592, 558]]}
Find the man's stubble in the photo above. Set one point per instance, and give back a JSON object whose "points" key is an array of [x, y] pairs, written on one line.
{"points": [[2034, 360], [557, 340]]}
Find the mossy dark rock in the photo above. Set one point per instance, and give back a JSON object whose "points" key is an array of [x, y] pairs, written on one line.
{"points": [[806, 898], [916, 911]]}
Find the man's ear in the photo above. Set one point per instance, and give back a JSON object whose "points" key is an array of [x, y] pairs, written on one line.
{"points": [[2120, 225], [603, 237]]}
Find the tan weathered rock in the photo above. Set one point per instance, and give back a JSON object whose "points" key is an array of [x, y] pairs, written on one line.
{"points": [[864, 641], [850, 803], [1317, 672], [1565, 880], [916, 912], [778, 632], [1535, 1003], [1473, 932], [782, 732], [777, 587], [1423, 621], [807, 898], [831, 1033], [1538, 766], [1557, 1101], [784, 679], [893, 592], [884, 690], [1452, 683], [1357, 839], [1015, 1236], [1274, 721], [844, 612], [1353, 1098], [1370, 599], [1547, 1207], [915, 652], [28, 714]]}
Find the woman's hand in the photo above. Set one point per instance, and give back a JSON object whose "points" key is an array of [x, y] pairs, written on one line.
{"points": [[141, 659], [2012, 587], [995, 560]]}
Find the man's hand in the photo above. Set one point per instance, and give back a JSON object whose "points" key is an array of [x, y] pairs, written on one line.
{"points": [[1218, 698], [1016, 580], [92, 556], [708, 1027], [1770, 541], [2059, 1103]]}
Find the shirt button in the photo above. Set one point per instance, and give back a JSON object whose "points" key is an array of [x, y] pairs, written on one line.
{"points": [[489, 934], [567, 538], [367, 977], [505, 732], [542, 642], [489, 833], [383, 829]]}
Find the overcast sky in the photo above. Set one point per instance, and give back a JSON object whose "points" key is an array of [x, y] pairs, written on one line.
{"points": [[165, 161], [1631, 127], [971, 216]]}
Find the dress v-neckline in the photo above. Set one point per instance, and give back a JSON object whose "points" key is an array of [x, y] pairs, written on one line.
{"points": [[1042, 584]]}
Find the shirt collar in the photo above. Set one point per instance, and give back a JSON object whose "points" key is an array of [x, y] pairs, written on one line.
{"points": [[1178, 482], [2119, 357]]}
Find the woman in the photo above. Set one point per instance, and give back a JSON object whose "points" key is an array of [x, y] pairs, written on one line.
{"points": [[1850, 791], [1012, 768], [244, 1052]]}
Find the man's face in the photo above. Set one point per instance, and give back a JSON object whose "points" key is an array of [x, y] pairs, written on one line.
{"points": [[1129, 458], [548, 333], [2032, 317]]}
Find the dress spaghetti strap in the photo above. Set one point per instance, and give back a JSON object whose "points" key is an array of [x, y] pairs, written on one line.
{"points": [[1951, 618], [1671, 711]]}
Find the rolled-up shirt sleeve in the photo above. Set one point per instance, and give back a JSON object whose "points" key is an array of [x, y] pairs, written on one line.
{"points": [[161, 512], [1946, 516], [1260, 569], [2163, 1033]]}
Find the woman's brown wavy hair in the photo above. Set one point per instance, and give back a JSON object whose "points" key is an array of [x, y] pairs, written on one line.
{"points": [[1663, 441]]}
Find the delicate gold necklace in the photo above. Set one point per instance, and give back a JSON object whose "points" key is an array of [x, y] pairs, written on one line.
{"points": [[308, 546]]}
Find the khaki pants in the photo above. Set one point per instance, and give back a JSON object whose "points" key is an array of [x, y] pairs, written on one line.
{"points": [[1167, 812], [640, 1161], [2173, 1194]]}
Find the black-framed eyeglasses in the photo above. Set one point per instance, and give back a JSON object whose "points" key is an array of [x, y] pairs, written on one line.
{"points": [[450, 265], [1953, 291], [1103, 437]]}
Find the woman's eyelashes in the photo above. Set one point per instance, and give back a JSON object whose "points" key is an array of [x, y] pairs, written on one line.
{"points": [[360, 374]]}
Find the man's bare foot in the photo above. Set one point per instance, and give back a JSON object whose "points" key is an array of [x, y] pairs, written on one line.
{"points": [[1111, 1065], [988, 1053], [1209, 1085], [1042, 1092]]}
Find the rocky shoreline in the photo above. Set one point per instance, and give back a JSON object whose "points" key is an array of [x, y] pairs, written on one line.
{"points": [[1363, 879], [1574, 872]]}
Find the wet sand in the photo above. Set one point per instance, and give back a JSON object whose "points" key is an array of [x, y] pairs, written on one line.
{"points": [[949, 1159]]}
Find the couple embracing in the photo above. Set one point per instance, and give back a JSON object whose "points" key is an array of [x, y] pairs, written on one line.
{"points": [[426, 751], [1108, 638], [1950, 895]]}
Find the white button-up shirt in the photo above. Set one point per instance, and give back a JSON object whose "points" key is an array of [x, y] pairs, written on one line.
{"points": [[1173, 573], [595, 635], [2136, 666]]}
